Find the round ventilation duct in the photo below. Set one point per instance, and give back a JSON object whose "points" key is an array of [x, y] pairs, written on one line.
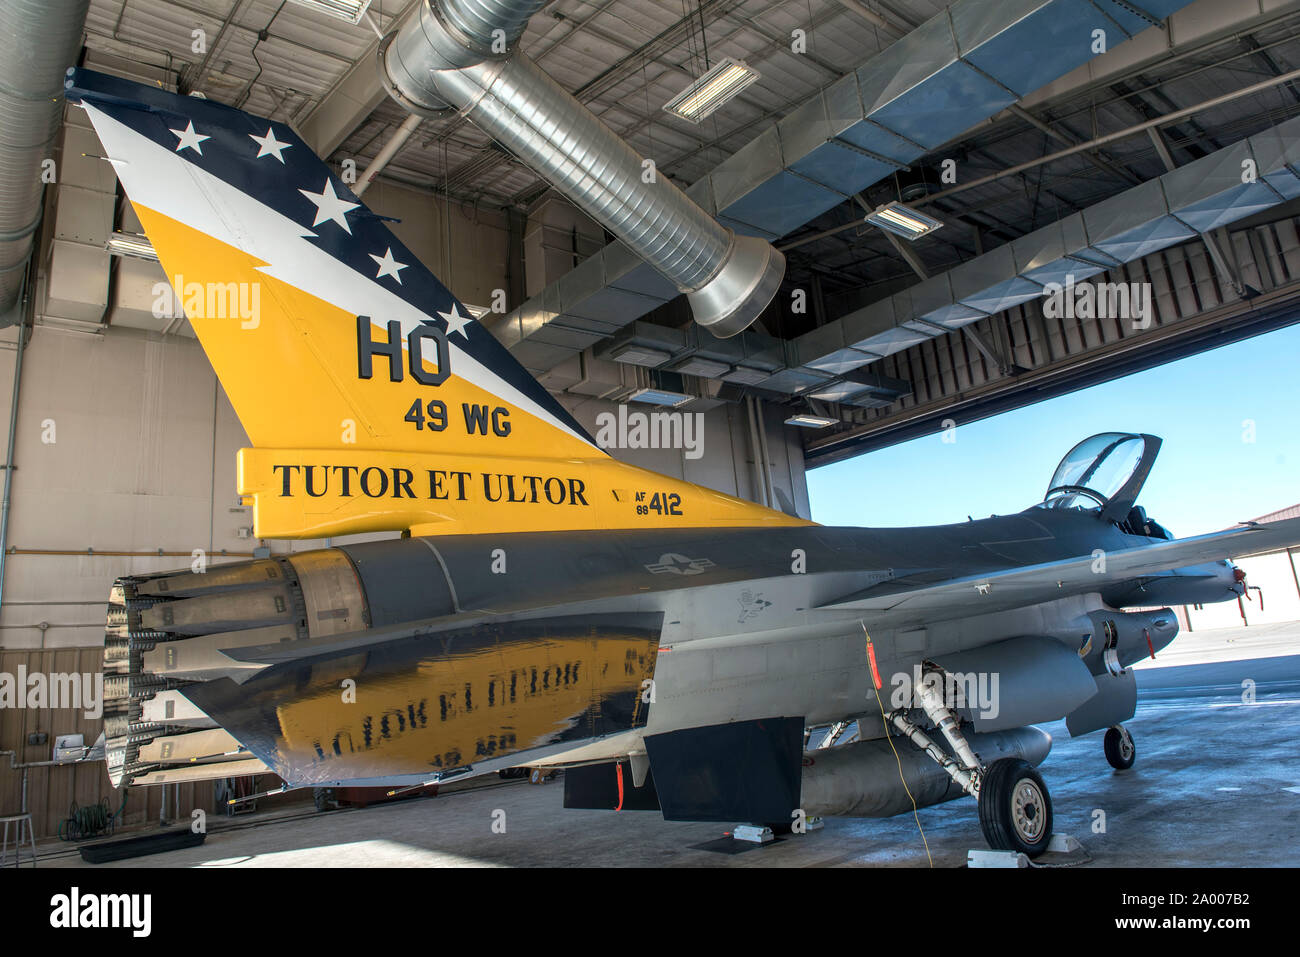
{"points": [[461, 54]]}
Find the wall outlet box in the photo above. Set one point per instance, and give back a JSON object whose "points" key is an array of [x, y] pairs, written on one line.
{"points": [[69, 747]]}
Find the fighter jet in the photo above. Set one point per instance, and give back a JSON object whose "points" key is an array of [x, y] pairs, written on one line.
{"points": [[548, 606]]}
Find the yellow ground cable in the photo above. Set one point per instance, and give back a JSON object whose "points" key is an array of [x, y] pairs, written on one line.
{"points": [[890, 738]]}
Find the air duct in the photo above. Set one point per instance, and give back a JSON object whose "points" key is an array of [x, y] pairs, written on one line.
{"points": [[961, 68], [38, 39], [460, 54]]}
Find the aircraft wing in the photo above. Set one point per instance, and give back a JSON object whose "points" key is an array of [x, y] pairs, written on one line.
{"points": [[893, 603]]}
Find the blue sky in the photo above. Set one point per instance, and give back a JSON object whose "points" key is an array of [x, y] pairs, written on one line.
{"points": [[1206, 477]]}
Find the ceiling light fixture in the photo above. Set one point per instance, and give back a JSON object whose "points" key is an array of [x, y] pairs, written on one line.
{"points": [[350, 10], [131, 244], [659, 397], [805, 421], [636, 354], [713, 89], [903, 220]]}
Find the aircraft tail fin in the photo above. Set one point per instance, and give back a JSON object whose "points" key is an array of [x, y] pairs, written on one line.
{"points": [[372, 399]]}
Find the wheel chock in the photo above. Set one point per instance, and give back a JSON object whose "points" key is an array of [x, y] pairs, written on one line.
{"points": [[987, 858]]}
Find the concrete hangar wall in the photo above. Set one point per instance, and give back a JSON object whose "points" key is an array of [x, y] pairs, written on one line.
{"points": [[125, 442]]}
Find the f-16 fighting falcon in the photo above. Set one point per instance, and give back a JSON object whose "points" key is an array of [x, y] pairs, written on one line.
{"points": [[551, 607]]}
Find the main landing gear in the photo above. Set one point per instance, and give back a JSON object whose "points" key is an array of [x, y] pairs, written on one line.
{"points": [[1121, 752], [1015, 809]]}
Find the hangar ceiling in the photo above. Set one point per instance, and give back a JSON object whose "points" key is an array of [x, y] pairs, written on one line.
{"points": [[884, 96], [624, 59]]}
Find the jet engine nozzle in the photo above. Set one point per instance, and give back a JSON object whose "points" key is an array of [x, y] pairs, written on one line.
{"points": [[167, 632]]}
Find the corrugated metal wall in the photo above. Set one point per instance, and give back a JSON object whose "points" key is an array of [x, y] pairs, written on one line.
{"points": [[51, 791]]}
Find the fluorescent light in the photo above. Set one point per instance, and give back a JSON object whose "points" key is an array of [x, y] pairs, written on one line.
{"points": [[699, 366], [712, 90], [810, 421], [659, 397], [131, 244], [903, 220], [639, 355], [350, 10]]}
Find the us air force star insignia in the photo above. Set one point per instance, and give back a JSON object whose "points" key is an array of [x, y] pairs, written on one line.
{"points": [[269, 145], [190, 139], [388, 266], [330, 207], [671, 563], [456, 322], [751, 604]]}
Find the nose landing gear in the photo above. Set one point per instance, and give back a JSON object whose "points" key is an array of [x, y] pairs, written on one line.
{"points": [[1119, 747]]}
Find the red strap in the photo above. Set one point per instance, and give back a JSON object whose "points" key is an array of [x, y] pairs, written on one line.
{"points": [[618, 768], [875, 672]]}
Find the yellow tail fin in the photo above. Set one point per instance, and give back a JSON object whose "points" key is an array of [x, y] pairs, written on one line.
{"points": [[373, 401]]}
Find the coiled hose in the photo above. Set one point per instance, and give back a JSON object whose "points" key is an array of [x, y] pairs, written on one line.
{"points": [[91, 820]]}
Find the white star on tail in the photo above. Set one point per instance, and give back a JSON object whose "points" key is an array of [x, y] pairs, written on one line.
{"points": [[269, 145], [456, 322], [388, 266], [189, 139], [329, 206]]}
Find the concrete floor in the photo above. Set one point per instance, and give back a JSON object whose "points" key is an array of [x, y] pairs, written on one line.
{"points": [[1217, 782]]}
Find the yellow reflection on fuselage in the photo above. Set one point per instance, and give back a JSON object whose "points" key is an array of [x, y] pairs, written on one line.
{"points": [[449, 710]]}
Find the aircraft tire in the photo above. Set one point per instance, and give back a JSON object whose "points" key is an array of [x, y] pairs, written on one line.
{"points": [[1120, 756], [1015, 808]]}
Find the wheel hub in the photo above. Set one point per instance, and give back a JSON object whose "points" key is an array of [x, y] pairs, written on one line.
{"points": [[1028, 811], [1125, 745]]}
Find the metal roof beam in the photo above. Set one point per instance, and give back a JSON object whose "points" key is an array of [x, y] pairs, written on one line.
{"points": [[1128, 131]]}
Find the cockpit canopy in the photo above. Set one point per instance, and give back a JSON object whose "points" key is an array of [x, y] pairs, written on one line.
{"points": [[1103, 472]]}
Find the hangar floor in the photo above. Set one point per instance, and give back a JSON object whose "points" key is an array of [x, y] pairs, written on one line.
{"points": [[1217, 781]]}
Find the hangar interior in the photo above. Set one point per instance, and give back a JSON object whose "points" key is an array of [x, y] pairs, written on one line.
{"points": [[1119, 159]]}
